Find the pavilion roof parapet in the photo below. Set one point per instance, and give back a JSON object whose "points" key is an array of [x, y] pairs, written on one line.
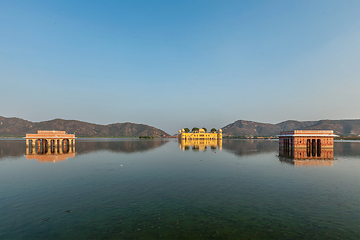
{"points": [[50, 134], [308, 133]]}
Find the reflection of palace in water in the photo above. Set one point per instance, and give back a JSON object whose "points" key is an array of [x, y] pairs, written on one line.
{"points": [[303, 147], [50, 146], [200, 144]]}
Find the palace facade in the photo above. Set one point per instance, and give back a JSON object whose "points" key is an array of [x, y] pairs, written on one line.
{"points": [[201, 134]]}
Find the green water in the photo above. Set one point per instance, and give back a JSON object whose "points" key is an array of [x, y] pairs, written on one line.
{"points": [[151, 189]]}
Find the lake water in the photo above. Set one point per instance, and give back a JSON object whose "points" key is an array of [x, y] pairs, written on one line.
{"points": [[152, 189]]}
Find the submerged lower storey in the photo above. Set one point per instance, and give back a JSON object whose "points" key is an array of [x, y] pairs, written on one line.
{"points": [[306, 147]]}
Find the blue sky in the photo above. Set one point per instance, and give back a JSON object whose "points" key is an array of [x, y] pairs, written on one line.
{"points": [[175, 64]]}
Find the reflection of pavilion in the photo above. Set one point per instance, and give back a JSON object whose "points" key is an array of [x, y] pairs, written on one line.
{"points": [[307, 153], [50, 157], [307, 162], [307, 157], [200, 144]]}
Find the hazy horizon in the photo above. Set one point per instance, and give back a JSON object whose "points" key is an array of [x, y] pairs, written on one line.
{"points": [[175, 64], [180, 127]]}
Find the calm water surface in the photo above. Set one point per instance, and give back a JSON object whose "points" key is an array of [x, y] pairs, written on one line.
{"points": [[147, 189]]}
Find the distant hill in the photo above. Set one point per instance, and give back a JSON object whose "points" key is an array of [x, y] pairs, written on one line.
{"points": [[249, 128], [20, 127]]}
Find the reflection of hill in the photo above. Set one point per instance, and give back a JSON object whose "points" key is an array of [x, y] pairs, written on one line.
{"points": [[243, 147], [250, 147], [342, 148], [17, 148], [126, 146], [12, 148]]}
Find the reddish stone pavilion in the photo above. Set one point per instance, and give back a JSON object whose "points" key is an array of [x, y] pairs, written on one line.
{"points": [[307, 144], [50, 142]]}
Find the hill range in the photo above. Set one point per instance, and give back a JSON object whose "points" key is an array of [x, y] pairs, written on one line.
{"points": [[20, 127], [249, 128]]}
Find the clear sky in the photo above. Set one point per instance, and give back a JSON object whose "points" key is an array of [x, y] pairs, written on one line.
{"points": [[176, 64]]}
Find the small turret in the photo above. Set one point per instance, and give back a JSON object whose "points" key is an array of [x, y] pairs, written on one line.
{"points": [[182, 134]]}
